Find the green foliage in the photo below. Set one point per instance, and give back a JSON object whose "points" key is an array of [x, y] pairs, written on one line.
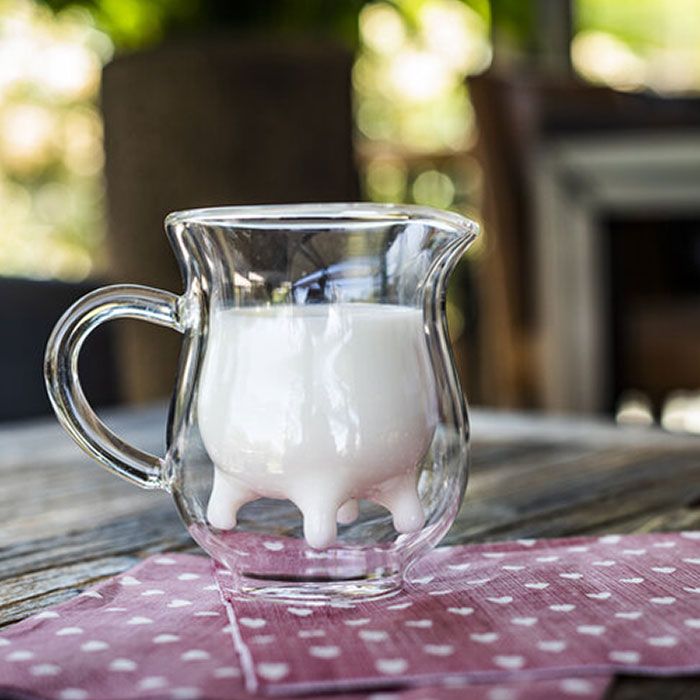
{"points": [[643, 24], [136, 23]]}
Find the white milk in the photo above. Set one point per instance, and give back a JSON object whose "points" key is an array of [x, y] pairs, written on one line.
{"points": [[320, 404]]}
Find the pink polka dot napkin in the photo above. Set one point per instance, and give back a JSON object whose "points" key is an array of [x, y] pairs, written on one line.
{"points": [[158, 631], [489, 613], [161, 631], [512, 621]]}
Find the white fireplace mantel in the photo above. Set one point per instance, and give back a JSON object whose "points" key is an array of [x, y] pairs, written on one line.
{"points": [[580, 180]]}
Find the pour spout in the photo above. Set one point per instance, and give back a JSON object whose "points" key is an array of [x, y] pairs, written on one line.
{"points": [[431, 250]]}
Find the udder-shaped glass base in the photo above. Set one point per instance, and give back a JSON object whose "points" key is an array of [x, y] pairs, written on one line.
{"points": [[320, 511]]}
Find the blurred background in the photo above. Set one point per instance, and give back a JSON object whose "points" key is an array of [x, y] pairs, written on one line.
{"points": [[569, 128]]}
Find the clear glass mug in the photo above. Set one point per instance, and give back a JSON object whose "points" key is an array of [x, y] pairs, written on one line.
{"points": [[317, 440]]}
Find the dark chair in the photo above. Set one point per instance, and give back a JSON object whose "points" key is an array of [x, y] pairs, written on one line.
{"points": [[28, 311]]}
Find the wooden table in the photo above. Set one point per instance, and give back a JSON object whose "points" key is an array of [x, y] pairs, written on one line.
{"points": [[65, 523]]}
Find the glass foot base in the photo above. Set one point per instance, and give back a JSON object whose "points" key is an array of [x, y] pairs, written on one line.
{"points": [[316, 592]]}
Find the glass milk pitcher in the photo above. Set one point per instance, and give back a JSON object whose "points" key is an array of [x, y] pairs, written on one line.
{"points": [[317, 441]]}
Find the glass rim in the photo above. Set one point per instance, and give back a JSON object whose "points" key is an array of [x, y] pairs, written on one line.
{"points": [[322, 215]]}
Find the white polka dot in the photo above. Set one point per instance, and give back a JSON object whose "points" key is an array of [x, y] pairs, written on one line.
{"points": [[502, 694], [46, 615], [694, 624], [500, 600], [691, 535], [138, 620], [325, 652], [439, 649], [632, 579], [509, 662], [605, 563], [20, 655], [272, 671], [577, 686], [115, 609], [547, 559], [262, 639], [634, 552], [400, 606], [555, 646], [166, 639], [153, 683], [524, 621], [562, 607], [206, 613], [537, 585], [210, 587], [357, 622], [227, 672], [153, 591], [129, 581], [665, 641], [185, 693], [601, 595], [483, 637], [691, 589], [309, 634], [422, 580], [73, 694], [164, 561], [573, 575], [494, 555], [188, 577], [4, 642], [625, 657], [664, 569], [179, 603], [94, 645], [664, 545], [609, 539], [91, 594], [463, 612], [195, 655], [122, 665], [373, 635], [391, 667], [420, 624], [45, 670], [273, 546], [69, 631], [664, 600], [463, 566], [591, 630], [631, 615], [253, 623], [578, 548], [512, 567]]}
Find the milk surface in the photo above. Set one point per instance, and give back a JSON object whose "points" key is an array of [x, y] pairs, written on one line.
{"points": [[320, 404]]}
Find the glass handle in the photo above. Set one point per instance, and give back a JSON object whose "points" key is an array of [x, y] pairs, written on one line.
{"points": [[63, 383]]}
